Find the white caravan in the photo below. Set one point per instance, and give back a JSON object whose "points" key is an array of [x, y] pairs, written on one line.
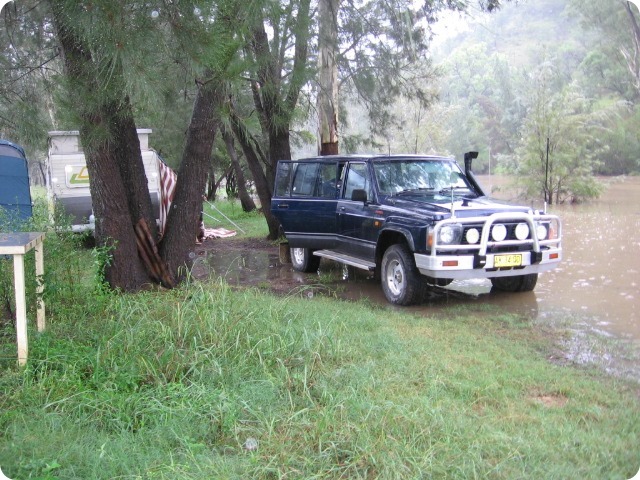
{"points": [[68, 177]]}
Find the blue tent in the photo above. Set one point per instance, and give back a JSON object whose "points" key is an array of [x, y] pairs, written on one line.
{"points": [[15, 196]]}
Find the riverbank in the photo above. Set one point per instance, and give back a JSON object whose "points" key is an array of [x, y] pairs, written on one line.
{"points": [[209, 382]]}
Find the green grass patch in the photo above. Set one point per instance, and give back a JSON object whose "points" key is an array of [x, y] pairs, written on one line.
{"points": [[229, 214], [185, 383], [172, 384]]}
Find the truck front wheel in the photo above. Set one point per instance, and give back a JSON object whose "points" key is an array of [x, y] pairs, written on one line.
{"points": [[518, 283], [401, 281], [303, 260]]}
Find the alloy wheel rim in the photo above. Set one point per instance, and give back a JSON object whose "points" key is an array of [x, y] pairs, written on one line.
{"points": [[298, 255], [395, 277]]}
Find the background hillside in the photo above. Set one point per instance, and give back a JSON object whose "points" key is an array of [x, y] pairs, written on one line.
{"points": [[531, 71]]}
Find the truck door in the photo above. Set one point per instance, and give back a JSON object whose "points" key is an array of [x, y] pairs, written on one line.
{"points": [[355, 215], [305, 200]]}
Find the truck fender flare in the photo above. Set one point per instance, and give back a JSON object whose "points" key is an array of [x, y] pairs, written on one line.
{"points": [[405, 233]]}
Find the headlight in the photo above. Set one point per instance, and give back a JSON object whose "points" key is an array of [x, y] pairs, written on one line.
{"points": [[450, 234], [472, 236], [522, 231], [499, 232], [541, 231]]}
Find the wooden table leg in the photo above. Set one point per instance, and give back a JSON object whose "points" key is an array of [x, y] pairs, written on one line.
{"points": [[21, 308], [40, 285]]}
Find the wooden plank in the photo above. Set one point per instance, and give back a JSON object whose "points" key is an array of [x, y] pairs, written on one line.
{"points": [[40, 286], [21, 309]]}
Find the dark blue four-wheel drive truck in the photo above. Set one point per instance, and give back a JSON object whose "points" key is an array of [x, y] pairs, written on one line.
{"points": [[414, 221]]}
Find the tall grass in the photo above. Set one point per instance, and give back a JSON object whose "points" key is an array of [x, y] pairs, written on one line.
{"points": [[207, 382]]}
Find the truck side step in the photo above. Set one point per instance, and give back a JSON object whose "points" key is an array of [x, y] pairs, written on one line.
{"points": [[346, 259]]}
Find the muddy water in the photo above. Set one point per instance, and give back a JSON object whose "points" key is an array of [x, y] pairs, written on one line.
{"points": [[593, 298], [598, 281]]}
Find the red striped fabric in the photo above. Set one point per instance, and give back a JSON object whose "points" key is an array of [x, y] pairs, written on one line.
{"points": [[167, 191]]}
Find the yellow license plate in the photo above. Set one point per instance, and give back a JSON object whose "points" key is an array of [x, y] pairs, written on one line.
{"points": [[500, 261]]}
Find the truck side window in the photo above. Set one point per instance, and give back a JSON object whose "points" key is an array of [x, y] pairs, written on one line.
{"points": [[327, 181], [283, 180], [305, 179], [357, 179]]}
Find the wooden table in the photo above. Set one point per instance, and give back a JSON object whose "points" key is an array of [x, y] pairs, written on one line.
{"points": [[18, 244]]}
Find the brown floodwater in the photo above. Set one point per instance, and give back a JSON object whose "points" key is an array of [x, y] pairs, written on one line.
{"points": [[592, 297]]}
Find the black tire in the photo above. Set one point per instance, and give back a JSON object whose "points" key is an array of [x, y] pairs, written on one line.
{"points": [[402, 283], [303, 260], [518, 283]]}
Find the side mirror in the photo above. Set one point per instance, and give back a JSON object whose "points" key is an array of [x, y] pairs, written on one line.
{"points": [[359, 195]]}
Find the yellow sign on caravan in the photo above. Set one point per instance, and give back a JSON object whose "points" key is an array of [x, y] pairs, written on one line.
{"points": [[76, 176]]}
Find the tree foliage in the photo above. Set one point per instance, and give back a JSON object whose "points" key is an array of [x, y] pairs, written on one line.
{"points": [[252, 68], [490, 95], [557, 155]]}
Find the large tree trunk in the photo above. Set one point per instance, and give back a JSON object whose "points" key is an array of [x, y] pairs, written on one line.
{"points": [[114, 230], [131, 167], [183, 219], [275, 102], [105, 131], [274, 99], [328, 76]]}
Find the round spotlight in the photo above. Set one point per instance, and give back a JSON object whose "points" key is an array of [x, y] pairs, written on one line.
{"points": [[472, 236], [499, 232], [541, 231], [522, 231]]}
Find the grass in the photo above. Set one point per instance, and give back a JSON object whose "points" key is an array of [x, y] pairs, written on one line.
{"points": [[251, 224], [166, 385]]}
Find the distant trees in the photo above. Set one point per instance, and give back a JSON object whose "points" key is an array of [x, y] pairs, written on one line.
{"points": [[556, 154], [505, 94], [29, 63]]}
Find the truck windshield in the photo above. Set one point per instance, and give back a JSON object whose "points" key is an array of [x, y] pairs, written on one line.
{"points": [[419, 177]]}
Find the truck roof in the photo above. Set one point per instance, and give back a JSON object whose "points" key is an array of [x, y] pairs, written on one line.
{"points": [[374, 157]]}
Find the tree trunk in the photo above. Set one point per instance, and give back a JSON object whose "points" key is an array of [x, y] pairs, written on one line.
{"points": [[114, 230], [104, 134], [633, 58], [328, 76], [212, 186], [263, 187], [131, 167], [183, 218], [248, 205], [275, 100]]}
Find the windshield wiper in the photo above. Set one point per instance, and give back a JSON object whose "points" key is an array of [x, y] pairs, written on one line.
{"points": [[414, 190], [449, 190]]}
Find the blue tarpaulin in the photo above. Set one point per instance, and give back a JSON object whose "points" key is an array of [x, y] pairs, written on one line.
{"points": [[15, 196]]}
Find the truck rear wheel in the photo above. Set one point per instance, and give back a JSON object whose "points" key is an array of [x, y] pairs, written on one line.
{"points": [[401, 281], [518, 283], [303, 260]]}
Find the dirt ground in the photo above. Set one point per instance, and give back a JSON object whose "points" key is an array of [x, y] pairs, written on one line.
{"points": [[259, 265]]}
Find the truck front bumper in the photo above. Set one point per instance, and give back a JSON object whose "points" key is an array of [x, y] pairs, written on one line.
{"points": [[459, 267]]}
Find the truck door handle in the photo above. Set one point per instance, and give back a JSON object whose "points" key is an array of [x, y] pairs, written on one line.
{"points": [[283, 205]]}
